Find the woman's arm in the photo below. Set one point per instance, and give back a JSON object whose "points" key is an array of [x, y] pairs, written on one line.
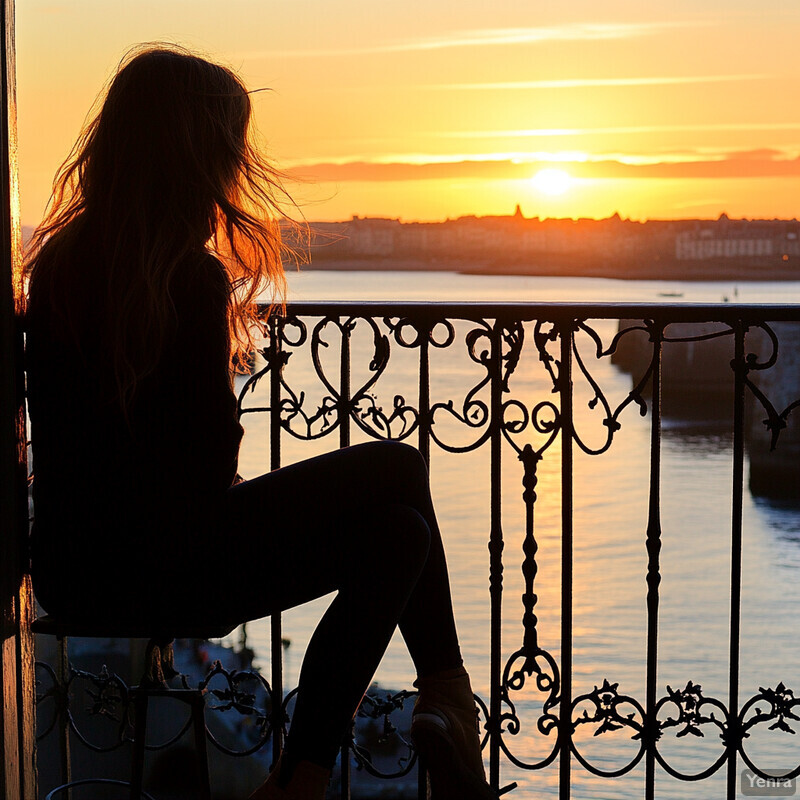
{"points": [[209, 429]]}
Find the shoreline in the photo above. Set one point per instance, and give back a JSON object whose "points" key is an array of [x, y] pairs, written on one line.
{"points": [[693, 271]]}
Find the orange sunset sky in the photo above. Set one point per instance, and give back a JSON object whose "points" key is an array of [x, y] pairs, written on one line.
{"points": [[428, 110]]}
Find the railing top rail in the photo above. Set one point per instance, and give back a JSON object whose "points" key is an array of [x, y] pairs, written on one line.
{"points": [[667, 312]]}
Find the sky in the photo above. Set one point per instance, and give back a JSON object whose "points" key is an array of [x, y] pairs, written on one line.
{"points": [[439, 109]]}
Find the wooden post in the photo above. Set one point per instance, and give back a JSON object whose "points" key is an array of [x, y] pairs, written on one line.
{"points": [[17, 739]]}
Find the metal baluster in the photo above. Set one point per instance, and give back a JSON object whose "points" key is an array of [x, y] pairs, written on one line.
{"points": [[653, 566], [425, 392], [276, 627], [495, 555], [734, 739], [565, 729], [344, 385], [344, 441], [425, 450]]}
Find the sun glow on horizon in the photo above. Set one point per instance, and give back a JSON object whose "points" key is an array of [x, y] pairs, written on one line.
{"points": [[552, 181]]}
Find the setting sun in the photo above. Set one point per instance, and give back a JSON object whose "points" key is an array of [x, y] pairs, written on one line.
{"points": [[552, 181]]}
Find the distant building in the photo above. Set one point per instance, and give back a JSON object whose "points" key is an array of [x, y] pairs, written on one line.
{"points": [[727, 238], [373, 236]]}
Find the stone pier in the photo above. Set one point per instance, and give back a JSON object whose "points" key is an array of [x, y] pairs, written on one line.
{"points": [[697, 386]]}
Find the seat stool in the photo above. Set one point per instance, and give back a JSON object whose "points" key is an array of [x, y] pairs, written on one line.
{"points": [[157, 670]]}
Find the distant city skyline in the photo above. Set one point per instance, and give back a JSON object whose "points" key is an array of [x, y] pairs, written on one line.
{"points": [[424, 111], [614, 247]]}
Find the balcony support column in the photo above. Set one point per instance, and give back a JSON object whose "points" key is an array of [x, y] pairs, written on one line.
{"points": [[17, 735]]}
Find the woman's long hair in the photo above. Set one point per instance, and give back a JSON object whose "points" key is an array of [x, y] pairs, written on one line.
{"points": [[167, 167]]}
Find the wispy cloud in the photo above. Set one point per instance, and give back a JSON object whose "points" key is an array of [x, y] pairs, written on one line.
{"points": [[625, 129], [491, 37], [581, 83], [749, 164]]}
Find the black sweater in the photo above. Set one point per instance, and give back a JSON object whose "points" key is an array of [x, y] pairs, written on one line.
{"points": [[109, 493]]}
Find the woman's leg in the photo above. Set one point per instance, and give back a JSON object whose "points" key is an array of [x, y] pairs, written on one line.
{"points": [[358, 521]]}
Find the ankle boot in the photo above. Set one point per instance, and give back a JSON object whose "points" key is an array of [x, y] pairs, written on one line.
{"points": [[444, 729], [308, 781]]}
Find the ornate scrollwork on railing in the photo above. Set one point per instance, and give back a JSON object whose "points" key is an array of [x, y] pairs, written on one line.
{"points": [[366, 411], [690, 718], [238, 691], [340, 399], [49, 692], [109, 698], [383, 734], [778, 713], [472, 412], [609, 710], [530, 660], [776, 421], [692, 714]]}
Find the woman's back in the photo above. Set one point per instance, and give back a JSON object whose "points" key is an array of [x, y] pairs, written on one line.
{"points": [[121, 482]]}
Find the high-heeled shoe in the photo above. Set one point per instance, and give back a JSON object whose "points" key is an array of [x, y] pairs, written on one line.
{"points": [[308, 781], [445, 733]]}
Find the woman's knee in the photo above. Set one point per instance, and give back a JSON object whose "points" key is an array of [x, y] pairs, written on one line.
{"points": [[396, 533], [401, 452], [412, 531], [401, 462]]}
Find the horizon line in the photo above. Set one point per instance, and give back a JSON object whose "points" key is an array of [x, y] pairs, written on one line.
{"points": [[719, 218], [30, 227]]}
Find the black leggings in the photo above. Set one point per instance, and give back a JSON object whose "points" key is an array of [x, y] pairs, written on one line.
{"points": [[358, 521]]}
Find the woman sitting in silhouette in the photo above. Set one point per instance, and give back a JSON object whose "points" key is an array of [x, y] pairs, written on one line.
{"points": [[161, 232]]}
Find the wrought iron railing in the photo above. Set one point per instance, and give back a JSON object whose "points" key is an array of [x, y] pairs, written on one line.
{"points": [[350, 347]]}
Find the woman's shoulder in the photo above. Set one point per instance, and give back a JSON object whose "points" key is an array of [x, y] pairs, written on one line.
{"points": [[205, 266], [200, 277]]}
